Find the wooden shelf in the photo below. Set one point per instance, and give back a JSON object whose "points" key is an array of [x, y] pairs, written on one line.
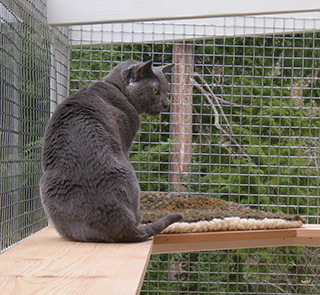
{"points": [[307, 235], [46, 264]]}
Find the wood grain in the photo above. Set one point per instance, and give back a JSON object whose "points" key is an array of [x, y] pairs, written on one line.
{"points": [[47, 264]]}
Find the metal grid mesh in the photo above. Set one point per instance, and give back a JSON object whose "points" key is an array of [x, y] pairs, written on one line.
{"points": [[25, 76], [281, 270], [254, 141]]}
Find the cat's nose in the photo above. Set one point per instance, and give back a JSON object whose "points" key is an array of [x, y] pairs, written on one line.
{"points": [[165, 103]]}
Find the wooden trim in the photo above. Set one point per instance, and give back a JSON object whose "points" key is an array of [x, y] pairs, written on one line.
{"points": [[308, 235], [67, 12]]}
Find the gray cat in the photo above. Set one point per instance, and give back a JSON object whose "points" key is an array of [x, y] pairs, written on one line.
{"points": [[89, 189]]}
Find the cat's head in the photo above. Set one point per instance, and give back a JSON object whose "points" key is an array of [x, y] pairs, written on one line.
{"points": [[144, 86]]}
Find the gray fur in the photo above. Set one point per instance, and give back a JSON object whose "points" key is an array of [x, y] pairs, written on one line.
{"points": [[89, 188]]}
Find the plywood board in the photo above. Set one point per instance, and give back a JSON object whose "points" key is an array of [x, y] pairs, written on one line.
{"points": [[47, 264]]}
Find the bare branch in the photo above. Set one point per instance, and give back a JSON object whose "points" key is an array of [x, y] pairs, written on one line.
{"points": [[275, 286], [217, 124], [204, 82], [206, 94]]}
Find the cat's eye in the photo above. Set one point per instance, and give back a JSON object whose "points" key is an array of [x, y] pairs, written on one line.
{"points": [[156, 91]]}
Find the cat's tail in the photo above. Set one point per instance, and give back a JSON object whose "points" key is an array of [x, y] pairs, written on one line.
{"points": [[144, 232]]}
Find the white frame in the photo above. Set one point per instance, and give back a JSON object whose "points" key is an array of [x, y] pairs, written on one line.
{"points": [[70, 12]]}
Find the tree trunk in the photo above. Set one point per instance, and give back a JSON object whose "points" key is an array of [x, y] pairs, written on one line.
{"points": [[181, 115]]}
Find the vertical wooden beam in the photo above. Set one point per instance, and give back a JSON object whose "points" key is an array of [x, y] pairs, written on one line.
{"points": [[181, 114]]}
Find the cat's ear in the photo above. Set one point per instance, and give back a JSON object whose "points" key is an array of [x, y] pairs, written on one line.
{"points": [[167, 68], [143, 71]]}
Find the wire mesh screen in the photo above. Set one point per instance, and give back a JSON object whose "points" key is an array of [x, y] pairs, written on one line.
{"points": [[25, 76], [243, 126]]}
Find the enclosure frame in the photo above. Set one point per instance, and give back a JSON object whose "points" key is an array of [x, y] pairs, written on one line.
{"points": [[104, 17]]}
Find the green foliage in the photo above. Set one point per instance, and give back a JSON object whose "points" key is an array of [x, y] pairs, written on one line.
{"points": [[93, 63], [148, 161], [276, 125], [207, 272]]}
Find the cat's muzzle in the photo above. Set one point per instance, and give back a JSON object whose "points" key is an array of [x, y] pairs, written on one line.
{"points": [[158, 108]]}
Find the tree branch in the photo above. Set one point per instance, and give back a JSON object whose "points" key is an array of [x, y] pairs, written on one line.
{"points": [[204, 82], [217, 124]]}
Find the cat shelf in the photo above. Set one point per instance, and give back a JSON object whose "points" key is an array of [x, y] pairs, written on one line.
{"points": [[46, 264]]}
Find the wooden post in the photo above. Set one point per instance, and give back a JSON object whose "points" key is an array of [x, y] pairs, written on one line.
{"points": [[181, 114]]}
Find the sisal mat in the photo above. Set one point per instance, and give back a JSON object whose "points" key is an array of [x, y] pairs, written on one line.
{"points": [[204, 214]]}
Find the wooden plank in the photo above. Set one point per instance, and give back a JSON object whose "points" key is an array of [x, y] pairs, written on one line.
{"points": [[222, 240], [47, 264], [62, 12], [309, 231], [308, 235], [220, 245]]}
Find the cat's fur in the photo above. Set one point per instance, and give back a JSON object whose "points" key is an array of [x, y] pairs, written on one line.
{"points": [[89, 188]]}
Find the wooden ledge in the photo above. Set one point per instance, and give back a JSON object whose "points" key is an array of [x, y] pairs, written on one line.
{"points": [[307, 235], [46, 264]]}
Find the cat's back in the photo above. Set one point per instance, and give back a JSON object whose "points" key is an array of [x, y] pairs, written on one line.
{"points": [[100, 101], [91, 121]]}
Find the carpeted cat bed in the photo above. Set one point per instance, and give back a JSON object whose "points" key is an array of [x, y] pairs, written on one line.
{"points": [[202, 214]]}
